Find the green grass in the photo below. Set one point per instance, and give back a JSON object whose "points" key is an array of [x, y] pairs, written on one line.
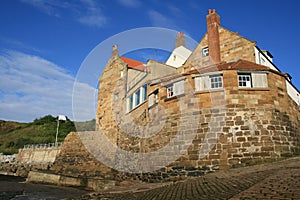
{"points": [[14, 135]]}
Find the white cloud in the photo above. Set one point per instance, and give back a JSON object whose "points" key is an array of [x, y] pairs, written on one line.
{"points": [[31, 87], [87, 12], [130, 3], [93, 15], [160, 20], [49, 7]]}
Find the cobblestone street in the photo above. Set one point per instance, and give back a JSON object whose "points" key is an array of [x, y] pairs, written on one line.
{"points": [[278, 180]]}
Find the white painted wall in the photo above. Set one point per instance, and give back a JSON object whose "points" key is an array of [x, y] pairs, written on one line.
{"points": [[261, 58], [292, 92], [178, 56]]}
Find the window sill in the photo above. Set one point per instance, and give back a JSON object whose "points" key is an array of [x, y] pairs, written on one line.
{"points": [[253, 89], [209, 91], [174, 97], [152, 106], [136, 107]]}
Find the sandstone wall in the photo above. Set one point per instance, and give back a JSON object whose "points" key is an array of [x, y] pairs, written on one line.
{"points": [[232, 47], [75, 160], [38, 155]]}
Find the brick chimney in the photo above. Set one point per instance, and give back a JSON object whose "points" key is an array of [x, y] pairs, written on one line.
{"points": [[180, 40], [115, 52], [213, 24]]}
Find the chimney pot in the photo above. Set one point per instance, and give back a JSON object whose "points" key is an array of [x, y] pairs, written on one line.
{"points": [[180, 40], [115, 52]]}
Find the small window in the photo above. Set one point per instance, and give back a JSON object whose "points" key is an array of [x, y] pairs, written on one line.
{"points": [[175, 89], [205, 52], [208, 82], [216, 81], [116, 96], [245, 80], [253, 80], [170, 92], [153, 98], [144, 92], [130, 103], [262, 61], [137, 98]]}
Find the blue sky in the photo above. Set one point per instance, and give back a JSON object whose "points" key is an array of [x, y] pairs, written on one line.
{"points": [[43, 43]]}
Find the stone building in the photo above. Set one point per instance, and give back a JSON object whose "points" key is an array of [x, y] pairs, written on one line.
{"points": [[221, 105]]}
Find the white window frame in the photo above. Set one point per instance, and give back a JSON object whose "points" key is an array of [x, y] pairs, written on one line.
{"points": [[170, 91], [175, 89], [205, 52], [245, 80], [258, 79], [216, 81], [137, 98], [205, 82], [153, 98]]}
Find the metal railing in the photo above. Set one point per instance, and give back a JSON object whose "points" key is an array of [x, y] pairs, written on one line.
{"points": [[42, 146]]}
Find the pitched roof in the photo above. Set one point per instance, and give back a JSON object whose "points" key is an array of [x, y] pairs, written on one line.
{"points": [[134, 64], [235, 65]]}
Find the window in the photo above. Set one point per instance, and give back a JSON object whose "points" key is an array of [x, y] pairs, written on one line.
{"points": [[245, 80], [137, 98], [216, 81], [253, 80], [170, 92], [208, 82], [116, 96], [153, 98], [175, 89], [262, 61], [130, 103], [205, 52], [144, 92]]}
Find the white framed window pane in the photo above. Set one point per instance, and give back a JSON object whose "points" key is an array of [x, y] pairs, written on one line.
{"points": [[144, 93], [130, 103], [260, 80], [137, 97], [151, 100], [216, 81], [244, 80], [178, 88], [205, 52], [170, 92], [204, 83]]}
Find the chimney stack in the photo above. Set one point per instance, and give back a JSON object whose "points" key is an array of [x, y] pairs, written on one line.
{"points": [[180, 40], [115, 52], [213, 24]]}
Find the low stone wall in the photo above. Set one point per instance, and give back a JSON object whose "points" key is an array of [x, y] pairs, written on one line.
{"points": [[55, 179], [38, 155], [8, 158]]}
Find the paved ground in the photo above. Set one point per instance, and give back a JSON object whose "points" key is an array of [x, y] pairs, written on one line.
{"points": [[16, 188], [279, 180]]}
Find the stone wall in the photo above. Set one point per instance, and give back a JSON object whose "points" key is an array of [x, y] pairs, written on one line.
{"points": [[38, 155], [75, 160], [232, 47], [230, 127]]}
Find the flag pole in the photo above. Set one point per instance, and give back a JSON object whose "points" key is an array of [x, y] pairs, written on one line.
{"points": [[56, 131]]}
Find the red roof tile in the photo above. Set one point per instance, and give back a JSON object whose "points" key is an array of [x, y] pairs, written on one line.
{"points": [[134, 64]]}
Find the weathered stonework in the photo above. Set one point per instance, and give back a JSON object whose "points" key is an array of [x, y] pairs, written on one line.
{"points": [[220, 128]]}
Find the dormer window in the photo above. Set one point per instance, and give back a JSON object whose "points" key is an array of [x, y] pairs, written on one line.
{"points": [[205, 52]]}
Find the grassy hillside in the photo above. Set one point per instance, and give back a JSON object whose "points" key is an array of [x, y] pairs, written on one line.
{"points": [[14, 135]]}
